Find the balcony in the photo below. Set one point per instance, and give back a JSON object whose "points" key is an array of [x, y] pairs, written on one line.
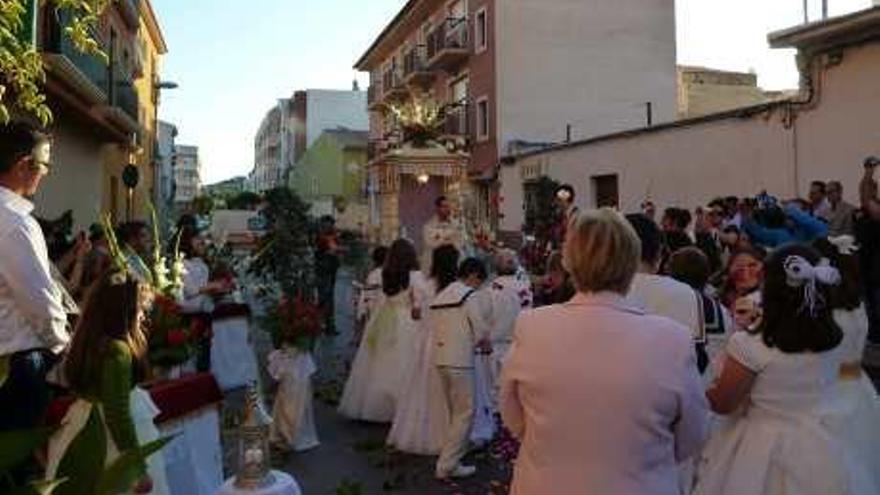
{"points": [[374, 100], [415, 67], [86, 74], [392, 83], [130, 11], [124, 104], [448, 44], [457, 121]]}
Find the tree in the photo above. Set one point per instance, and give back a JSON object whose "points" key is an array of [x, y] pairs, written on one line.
{"points": [[21, 68], [285, 253]]}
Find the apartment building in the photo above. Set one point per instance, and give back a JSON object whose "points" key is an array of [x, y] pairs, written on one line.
{"points": [[703, 91], [514, 73], [294, 124], [187, 174]]}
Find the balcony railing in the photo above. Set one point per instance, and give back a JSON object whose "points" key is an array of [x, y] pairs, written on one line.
{"points": [[374, 99], [448, 44], [126, 98], [415, 66], [131, 12], [457, 120], [392, 84], [86, 72]]}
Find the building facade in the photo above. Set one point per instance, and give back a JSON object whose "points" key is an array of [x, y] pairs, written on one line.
{"points": [[517, 73], [95, 105], [294, 124], [187, 175], [332, 177], [164, 182], [703, 91], [824, 133]]}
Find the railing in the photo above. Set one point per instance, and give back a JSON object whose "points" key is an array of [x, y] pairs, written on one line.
{"points": [[131, 12], [391, 80], [415, 61], [451, 34], [125, 96], [457, 119], [57, 42]]}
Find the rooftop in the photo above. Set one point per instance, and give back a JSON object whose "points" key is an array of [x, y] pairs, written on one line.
{"points": [[830, 33]]}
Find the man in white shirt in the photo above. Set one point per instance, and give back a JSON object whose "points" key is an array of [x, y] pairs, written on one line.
{"points": [[440, 230], [656, 294], [33, 323]]}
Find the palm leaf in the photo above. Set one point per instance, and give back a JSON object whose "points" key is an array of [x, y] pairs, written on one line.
{"points": [[83, 460], [16, 446], [121, 474]]}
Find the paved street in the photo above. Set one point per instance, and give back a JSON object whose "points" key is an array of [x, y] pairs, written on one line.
{"points": [[352, 458]]}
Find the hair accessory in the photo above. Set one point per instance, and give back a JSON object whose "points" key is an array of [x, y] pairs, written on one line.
{"points": [[845, 244], [563, 194], [801, 273]]}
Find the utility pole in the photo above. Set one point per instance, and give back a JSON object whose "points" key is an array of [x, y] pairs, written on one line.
{"points": [[649, 108]]}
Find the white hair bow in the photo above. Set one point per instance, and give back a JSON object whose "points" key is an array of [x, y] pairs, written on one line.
{"points": [[845, 244], [801, 273]]}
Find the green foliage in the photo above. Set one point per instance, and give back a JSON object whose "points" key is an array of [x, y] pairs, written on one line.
{"points": [[21, 67], [243, 201], [203, 205], [285, 252], [121, 474], [348, 487], [19, 445]]}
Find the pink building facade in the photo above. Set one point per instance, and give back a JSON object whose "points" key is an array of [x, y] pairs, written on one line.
{"points": [[515, 72]]}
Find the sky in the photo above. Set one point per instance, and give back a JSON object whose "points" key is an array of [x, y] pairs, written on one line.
{"points": [[233, 60]]}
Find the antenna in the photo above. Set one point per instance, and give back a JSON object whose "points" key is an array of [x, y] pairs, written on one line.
{"points": [[806, 11]]}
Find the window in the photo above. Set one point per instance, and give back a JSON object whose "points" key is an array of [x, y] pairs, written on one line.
{"points": [[482, 119], [481, 28], [605, 190]]}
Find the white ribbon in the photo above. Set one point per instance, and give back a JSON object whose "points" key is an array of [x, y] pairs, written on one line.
{"points": [[845, 244], [801, 273]]}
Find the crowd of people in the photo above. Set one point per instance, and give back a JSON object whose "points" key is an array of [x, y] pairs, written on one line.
{"points": [[73, 322], [713, 352]]}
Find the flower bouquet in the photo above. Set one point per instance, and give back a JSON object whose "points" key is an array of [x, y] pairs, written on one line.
{"points": [[171, 338], [294, 323]]}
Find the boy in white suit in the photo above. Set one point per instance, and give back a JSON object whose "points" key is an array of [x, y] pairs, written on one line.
{"points": [[459, 328]]}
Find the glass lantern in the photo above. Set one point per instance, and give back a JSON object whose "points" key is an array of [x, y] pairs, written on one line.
{"points": [[253, 445]]}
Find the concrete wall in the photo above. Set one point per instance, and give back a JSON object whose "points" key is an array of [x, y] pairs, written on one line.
{"points": [[687, 166], [589, 63], [329, 109], [76, 178]]}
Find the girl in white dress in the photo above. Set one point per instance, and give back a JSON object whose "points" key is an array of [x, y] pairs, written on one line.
{"points": [[421, 417], [780, 380], [856, 412], [375, 380]]}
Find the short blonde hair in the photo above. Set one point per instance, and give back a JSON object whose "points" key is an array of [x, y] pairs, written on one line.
{"points": [[601, 251]]}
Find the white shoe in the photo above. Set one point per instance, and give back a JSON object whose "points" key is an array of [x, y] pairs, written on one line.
{"points": [[460, 471]]}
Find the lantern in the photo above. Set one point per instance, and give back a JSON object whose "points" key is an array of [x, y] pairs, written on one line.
{"points": [[253, 445]]}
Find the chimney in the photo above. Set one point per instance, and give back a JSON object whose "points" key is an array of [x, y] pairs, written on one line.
{"points": [[355, 86]]}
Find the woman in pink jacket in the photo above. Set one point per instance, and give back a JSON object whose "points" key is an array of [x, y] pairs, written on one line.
{"points": [[604, 398]]}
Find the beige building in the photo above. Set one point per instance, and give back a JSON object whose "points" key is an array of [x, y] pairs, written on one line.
{"points": [[824, 133], [703, 91]]}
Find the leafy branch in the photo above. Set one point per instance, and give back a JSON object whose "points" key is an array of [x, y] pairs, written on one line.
{"points": [[22, 75]]}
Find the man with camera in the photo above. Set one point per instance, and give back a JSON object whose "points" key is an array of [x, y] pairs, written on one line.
{"points": [[867, 226]]}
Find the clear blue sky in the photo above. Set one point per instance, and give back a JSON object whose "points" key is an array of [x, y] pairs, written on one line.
{"points": [[233, 60]]}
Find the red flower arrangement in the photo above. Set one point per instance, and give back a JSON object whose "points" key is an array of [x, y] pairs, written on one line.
{"points": [[170, 335], [294, 322]]}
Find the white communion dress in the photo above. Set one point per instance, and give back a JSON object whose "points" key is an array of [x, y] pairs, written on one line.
{"points": [[781, 443], [293, 415], [387, 346]]}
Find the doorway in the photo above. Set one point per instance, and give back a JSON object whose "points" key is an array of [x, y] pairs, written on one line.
{"points": [[606, 192], [416, 206]]}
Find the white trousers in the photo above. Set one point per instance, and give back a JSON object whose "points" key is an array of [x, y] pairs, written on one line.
{"points": [[458, 391]]}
